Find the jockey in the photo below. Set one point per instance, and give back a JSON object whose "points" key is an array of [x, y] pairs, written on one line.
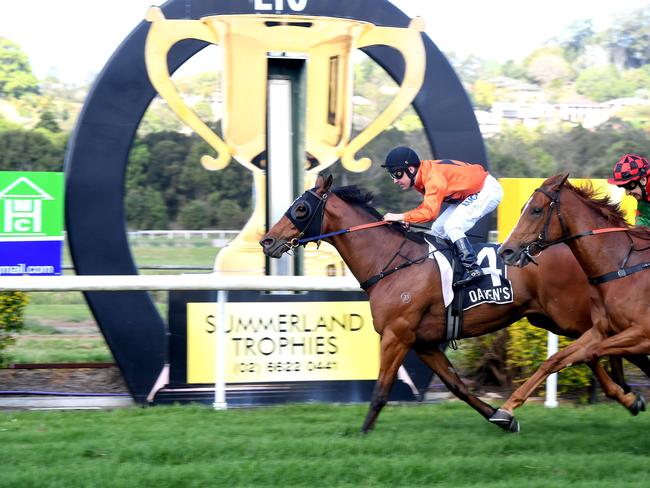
{"points": [[631, 173], [470, 191]]}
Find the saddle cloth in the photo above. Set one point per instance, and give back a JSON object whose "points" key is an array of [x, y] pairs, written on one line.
{"points": [[493, 287]]}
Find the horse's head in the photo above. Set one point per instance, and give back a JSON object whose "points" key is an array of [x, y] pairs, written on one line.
{"points": [[303, 219], [536, 228]]}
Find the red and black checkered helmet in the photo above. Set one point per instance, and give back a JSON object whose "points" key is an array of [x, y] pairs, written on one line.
{"points": [[630, 167]]}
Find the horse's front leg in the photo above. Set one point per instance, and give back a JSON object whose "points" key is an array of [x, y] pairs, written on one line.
{"points": [[393, 351], [441, 366], [574, 353]]}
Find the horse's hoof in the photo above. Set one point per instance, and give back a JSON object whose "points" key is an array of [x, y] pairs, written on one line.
{"points": [[638, 405], [505, 420]]}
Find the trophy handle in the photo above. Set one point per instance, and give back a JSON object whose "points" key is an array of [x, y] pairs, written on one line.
{"points": [[163, 34], [409, 43]]}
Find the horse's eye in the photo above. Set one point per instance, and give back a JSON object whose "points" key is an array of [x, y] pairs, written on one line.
{"points": [[301, 210], [536, 210]]}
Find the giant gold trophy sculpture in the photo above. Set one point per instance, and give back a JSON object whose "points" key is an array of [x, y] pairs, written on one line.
{"points": [[327, 43]]}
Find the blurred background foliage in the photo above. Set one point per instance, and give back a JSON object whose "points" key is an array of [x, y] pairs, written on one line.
{"points": [[12, 307]]}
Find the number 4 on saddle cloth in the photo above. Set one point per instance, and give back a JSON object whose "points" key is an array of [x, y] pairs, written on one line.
{"points": [[493, 287]]}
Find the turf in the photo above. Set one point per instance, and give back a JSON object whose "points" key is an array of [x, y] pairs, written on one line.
{"points": [[319, 445]]}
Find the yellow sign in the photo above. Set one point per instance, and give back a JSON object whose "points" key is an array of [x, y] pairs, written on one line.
{"points": [[517, 191], [297, 341]]}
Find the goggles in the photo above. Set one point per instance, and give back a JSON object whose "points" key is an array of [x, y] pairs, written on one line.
{"points": [[630, 185], [397, 173]]}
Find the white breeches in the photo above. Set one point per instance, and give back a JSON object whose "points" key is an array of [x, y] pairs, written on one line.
{"points": [[461, 217]]}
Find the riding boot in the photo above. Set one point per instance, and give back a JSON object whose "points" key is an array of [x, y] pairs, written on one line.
{"points": [[467, 257]]}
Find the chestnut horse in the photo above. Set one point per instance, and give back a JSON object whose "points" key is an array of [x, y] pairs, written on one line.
{"points": [[407, 306], [609, 250]]}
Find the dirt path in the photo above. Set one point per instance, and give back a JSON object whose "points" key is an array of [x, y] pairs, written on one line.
{"points": [[63, 380]]}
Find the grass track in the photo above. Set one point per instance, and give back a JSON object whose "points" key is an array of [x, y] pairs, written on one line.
{"points": [[319, 445], [60, 349]]}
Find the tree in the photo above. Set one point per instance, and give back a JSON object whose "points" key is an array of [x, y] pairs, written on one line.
{"points": [[604, 83], [23, 150], [517, 152], [159, 118], [196, 215], [637, 117], [229, 215], [575, 38], [136, 176], [48, 121], [473, 68], [145, 209], [168, 152], [484, 94], [511, 69], [16, 78], [548, 67], [628, 39]]}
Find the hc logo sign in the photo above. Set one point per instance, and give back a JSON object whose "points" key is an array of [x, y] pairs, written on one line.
{"points": [[31, 223], [294, 5], [22, 207]]}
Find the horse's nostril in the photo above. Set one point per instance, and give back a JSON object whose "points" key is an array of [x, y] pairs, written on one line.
{"points": [[266, 242], [506, 253]]}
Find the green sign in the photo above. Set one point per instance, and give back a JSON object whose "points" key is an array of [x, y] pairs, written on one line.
{"points": [[31, 205]]}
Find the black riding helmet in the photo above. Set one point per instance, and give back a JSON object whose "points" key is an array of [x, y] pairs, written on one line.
{"points": [[399, 159]]}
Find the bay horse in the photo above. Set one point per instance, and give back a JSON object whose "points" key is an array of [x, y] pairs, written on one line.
{"points": [[609, 250], [407, 306]]}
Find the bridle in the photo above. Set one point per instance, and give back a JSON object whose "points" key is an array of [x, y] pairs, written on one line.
{"points": [[542, 241], [535, 247], [311, 229]]}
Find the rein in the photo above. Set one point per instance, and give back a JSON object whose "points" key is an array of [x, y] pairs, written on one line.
{"points": [[542, 243], [299, 242], [304, 228], [317, 225]]}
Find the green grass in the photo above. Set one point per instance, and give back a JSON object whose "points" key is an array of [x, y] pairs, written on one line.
{"points": [[59, 349], [319, 445], [166, 255], [68, 312]]}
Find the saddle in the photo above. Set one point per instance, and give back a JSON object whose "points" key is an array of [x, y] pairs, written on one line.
{"points": [[492, 287]]}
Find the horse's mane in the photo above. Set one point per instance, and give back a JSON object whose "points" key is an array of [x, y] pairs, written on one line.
{"points": [[362, 198], [603, 204]]}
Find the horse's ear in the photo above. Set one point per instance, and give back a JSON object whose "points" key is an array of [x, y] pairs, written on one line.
{"points": [[565, 176], [555, 182], [561, 179]]}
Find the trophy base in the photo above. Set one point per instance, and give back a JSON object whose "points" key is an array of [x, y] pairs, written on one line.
{"points": [[248, 259]]}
